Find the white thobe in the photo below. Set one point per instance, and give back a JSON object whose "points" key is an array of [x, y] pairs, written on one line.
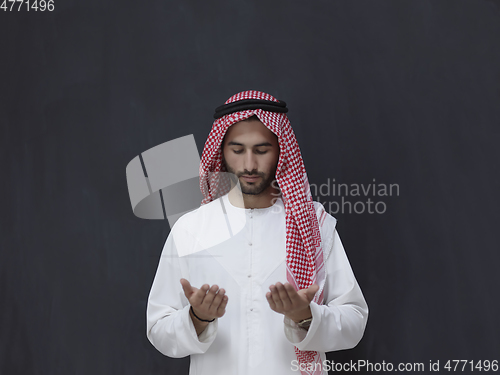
{"points": [[243, 251]]}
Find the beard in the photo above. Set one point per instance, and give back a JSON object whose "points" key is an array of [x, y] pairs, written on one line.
{"points": [[252, 188]]}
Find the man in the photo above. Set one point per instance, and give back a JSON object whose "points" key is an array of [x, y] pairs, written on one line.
{"points": [[256, 280]]}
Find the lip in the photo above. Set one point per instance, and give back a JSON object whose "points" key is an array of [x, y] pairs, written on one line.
{"points": [[250, 178]]}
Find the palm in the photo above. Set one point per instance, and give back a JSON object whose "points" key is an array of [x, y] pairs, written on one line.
{"points": [[284, 299]]}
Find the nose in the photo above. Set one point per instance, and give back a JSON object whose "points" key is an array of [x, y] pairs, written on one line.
{"points": [[250, 162]]}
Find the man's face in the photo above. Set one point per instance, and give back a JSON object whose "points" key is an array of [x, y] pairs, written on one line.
{"points": [[251, 152]]}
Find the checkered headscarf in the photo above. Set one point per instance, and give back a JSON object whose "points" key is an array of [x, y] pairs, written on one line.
{"points": [[304, 254]]}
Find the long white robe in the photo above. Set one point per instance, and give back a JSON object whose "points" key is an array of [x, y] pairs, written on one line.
{"points": [[243, 251]]}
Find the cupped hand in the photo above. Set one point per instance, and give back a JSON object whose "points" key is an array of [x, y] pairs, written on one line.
{"points": [[208, 302], [284, 299]]}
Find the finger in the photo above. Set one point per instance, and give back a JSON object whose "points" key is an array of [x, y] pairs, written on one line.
{"points": [[199, 295], [217, 300], [221, 310], [292, 293], [276, 298], [209, 297], [285, 298], [311, 291], [270, 300], [186, 287]]}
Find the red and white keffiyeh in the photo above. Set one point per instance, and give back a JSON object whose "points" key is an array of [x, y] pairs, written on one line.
{"points": [[304, 253]]}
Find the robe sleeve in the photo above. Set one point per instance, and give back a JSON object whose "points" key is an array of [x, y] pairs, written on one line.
{"points": [[169, 325], [341, 321]]}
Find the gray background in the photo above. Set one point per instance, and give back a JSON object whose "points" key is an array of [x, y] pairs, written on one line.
{"points": [[405, 92]]}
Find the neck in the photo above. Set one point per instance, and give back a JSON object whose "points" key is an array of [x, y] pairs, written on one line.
{"points": [[262, 200]]}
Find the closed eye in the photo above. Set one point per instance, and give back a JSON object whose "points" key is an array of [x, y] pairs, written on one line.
{"points": [[258, 152]]}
